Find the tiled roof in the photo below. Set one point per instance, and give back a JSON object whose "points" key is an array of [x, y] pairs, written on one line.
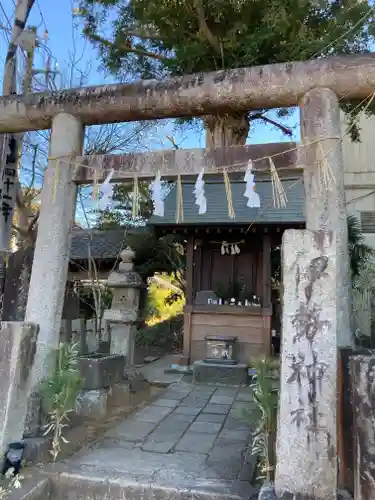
{"points": [[217, 206], [107, 244], [103, 244]]}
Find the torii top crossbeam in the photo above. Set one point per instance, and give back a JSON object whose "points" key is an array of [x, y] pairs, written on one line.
{"points": [[272, 86]]}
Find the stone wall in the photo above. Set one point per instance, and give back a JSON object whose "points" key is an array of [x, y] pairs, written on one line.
{"points": [[363, 380]]}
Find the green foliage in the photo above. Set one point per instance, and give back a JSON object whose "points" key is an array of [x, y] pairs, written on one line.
{"points": [[359, 251], [59, 392], [175, 37], [165, 335], [155, 254], [362, 293], [266, 373], [159, 305], [164, 319], [121, 213], [183, 37], [87, 300]]}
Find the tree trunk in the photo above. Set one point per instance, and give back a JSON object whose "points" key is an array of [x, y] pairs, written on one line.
{"points": [[227, 130]]}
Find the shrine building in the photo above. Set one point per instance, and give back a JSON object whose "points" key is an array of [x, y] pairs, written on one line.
{"points": [[229, 274]]}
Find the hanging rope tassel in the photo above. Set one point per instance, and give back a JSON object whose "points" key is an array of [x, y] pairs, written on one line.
{"points": [[326, 176], [56, 181], [228, 192], [278, 192], [179, 201], [135, 198]]}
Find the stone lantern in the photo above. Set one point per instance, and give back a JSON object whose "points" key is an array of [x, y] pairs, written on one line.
{"points": [[123, 315]]}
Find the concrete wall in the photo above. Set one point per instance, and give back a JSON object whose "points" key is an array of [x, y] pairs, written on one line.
{"points": [[359, 164]]}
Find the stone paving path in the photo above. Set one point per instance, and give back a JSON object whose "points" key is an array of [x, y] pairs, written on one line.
{"points": [[155, 374], [190, 439]]}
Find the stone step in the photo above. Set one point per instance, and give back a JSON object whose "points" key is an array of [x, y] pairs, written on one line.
{"points": [[107, 485], [37, 487], [60, 481]]}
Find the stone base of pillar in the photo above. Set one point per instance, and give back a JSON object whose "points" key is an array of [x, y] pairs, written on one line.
{"points": [[267, 492], [18, 342]]}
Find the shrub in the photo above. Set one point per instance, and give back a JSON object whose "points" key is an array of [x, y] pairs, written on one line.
{"points": [[59, 392], [264, 418]]}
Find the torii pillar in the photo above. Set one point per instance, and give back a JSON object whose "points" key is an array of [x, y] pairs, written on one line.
{"points": [[52, 250], [326, 205], [316, 311]]}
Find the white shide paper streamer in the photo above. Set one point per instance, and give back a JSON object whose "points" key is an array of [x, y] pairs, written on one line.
{"points": [[200, 197], [157, 196], [253, 200], [106, 191]]}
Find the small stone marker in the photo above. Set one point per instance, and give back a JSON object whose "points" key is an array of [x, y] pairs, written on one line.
{"points": [[150, 359], [306, 435]]}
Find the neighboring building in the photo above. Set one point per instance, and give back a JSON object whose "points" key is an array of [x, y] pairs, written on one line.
{"points": [[359, 165], [102, 246]]}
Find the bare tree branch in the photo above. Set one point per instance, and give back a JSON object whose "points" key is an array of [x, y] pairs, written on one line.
{"points": [[143, 35], [204, 29], [259, 116], [128, 48]]}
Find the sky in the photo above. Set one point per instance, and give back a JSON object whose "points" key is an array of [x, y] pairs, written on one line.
{"points": [[62, 38], [63, 41]]}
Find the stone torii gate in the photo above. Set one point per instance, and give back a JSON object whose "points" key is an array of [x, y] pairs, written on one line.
{"points": [[314, 86]]}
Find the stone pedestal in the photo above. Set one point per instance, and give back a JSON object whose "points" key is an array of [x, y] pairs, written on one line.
{"points": [[18, 343], [101, 371], [220, 374], [219, 349], [307, 420], [123, 315]]}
